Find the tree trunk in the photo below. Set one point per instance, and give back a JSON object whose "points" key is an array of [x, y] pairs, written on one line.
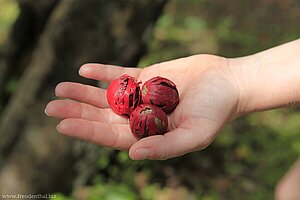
{"points": [[33, 157], [22, 40]]}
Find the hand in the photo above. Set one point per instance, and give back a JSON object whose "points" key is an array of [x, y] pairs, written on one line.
{"points": [[209, 98]]}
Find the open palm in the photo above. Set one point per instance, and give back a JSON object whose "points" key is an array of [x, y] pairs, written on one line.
{"points": [[208, 100]]}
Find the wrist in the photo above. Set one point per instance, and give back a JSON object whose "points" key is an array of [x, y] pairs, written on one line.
{"points": [[245, 74], [269, 79]]}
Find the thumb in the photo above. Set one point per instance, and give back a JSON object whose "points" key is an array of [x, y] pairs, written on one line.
{"points": [[173, 144]]}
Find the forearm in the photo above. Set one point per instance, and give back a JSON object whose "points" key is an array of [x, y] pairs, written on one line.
{"points": [[269, 79]]}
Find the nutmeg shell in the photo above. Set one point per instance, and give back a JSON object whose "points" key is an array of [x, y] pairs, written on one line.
{"points": [[147, 120], [123, 94], [160, 92]]}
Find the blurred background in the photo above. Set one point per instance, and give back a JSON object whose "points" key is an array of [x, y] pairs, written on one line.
{"points": [[45, 42]]}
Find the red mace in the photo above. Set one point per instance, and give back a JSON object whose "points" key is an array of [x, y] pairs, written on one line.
{"points": [[147, 120], [123, 94], [160, 92]]}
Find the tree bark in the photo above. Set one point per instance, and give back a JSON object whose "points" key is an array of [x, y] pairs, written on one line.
{"points": [[22, 39], [33, 157]]}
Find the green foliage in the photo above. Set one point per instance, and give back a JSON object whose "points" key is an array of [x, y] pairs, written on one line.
{"points": [[60, 196], [250, 155], [111, 192], [8, 13], [260, 153], [11, 86]]}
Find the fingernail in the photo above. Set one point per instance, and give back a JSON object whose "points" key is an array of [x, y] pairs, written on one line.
{"points": [[58, 127], [141, 154], [46, 112], [84, 69]]}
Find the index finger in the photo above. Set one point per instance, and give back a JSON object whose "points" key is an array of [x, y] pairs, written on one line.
{"points": [[106, 73]]}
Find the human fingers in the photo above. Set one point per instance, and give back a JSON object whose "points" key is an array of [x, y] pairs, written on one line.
{"points": [[117, 136], [83, 93], [106, 73], [73, 109]]}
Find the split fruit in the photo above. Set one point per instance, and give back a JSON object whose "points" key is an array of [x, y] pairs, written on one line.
{"points": [[160, 92], [147, 120], [148, 108], [123, 94]]}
